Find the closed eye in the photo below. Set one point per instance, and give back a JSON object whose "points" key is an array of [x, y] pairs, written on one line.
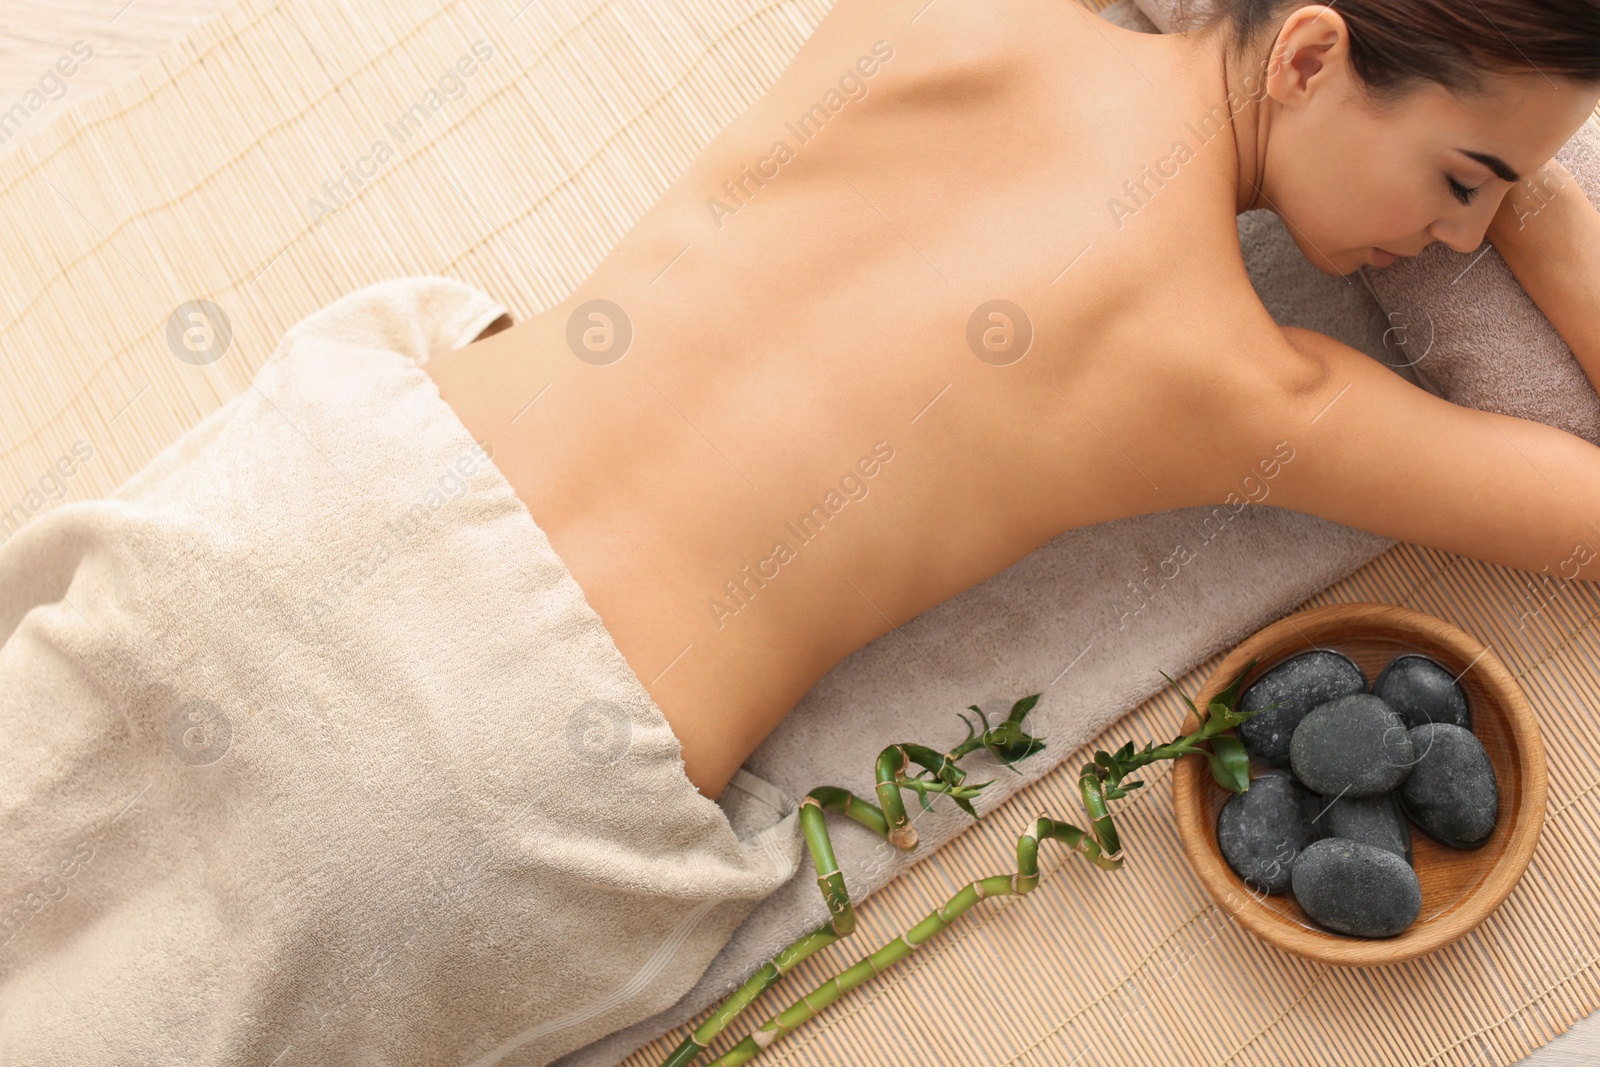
{"points": [[1459, 191]]}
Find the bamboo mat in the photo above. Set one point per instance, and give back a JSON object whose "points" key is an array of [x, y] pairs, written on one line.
{"points": [[191, 180], [117, 38]]}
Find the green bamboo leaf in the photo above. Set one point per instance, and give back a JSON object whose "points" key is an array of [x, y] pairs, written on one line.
{"points": [[1234, 762], [1023, 706], [1183, 696], [1017, 751], [1236, 717], [1230, 695], [971, 730]]}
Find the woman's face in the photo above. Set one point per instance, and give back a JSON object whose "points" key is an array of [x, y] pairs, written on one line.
{"points": [[1353, 181]]}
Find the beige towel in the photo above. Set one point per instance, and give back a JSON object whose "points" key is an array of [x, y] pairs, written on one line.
{"points": [[312, 751]]}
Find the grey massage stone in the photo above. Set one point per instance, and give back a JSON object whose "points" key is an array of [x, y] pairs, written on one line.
{"points": [[1297, 685], [1375, 820], [1263, 829], [1313, 809], [1354, 746], [1420, 690], [1451, 793], [1358, 889]]}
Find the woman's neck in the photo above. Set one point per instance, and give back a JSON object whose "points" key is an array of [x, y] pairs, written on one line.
{"points": [[1237, 82]]}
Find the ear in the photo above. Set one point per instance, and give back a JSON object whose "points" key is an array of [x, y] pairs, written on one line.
{"points": [[1312, 44]]}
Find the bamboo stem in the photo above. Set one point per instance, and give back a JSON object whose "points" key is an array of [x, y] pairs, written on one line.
{"points": [[1099, 782]]}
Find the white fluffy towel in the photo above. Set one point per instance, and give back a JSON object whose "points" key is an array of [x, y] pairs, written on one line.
{"points": [[313, 752]]}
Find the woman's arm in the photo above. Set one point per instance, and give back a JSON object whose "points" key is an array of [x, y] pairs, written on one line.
{"points": [[1549, 235], [1375, 452]]}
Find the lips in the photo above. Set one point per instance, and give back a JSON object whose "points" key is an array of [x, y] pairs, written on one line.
{"points": [[1382, 258]]}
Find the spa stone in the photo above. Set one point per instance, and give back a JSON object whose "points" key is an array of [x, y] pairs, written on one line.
{"points": [[1263, 829], [1354, 746], [1355, 888], [1375, 820], [1451, 793], [1313, 808], [1420, 690], [1297, 685]]}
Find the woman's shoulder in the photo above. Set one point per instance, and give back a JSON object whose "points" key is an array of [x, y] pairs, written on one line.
{"points": [[949, 42], [1201, 334]]}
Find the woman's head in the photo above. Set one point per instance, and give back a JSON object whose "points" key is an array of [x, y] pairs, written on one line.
{"points": [[1392, 124]]}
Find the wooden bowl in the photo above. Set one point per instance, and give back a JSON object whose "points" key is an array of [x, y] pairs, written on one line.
{"points": [[1460, 887]]}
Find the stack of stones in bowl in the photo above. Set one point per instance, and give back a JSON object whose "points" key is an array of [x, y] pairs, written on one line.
{"points": [[1352, 771]]}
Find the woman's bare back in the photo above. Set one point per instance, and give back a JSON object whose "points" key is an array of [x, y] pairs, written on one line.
{"points": [[866, 370]]}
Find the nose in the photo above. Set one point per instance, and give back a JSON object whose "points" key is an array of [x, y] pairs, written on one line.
{"points": [[1459, 238], [1464, 231]]}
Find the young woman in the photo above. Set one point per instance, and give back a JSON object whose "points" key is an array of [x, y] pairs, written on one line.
{"points": [[822, 283]]}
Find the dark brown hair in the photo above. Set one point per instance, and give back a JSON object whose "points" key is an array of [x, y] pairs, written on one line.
{"points": [[1394, 44]]}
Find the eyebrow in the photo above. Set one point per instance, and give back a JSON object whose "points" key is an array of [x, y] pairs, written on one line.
{"points": [[1494, 163]]}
